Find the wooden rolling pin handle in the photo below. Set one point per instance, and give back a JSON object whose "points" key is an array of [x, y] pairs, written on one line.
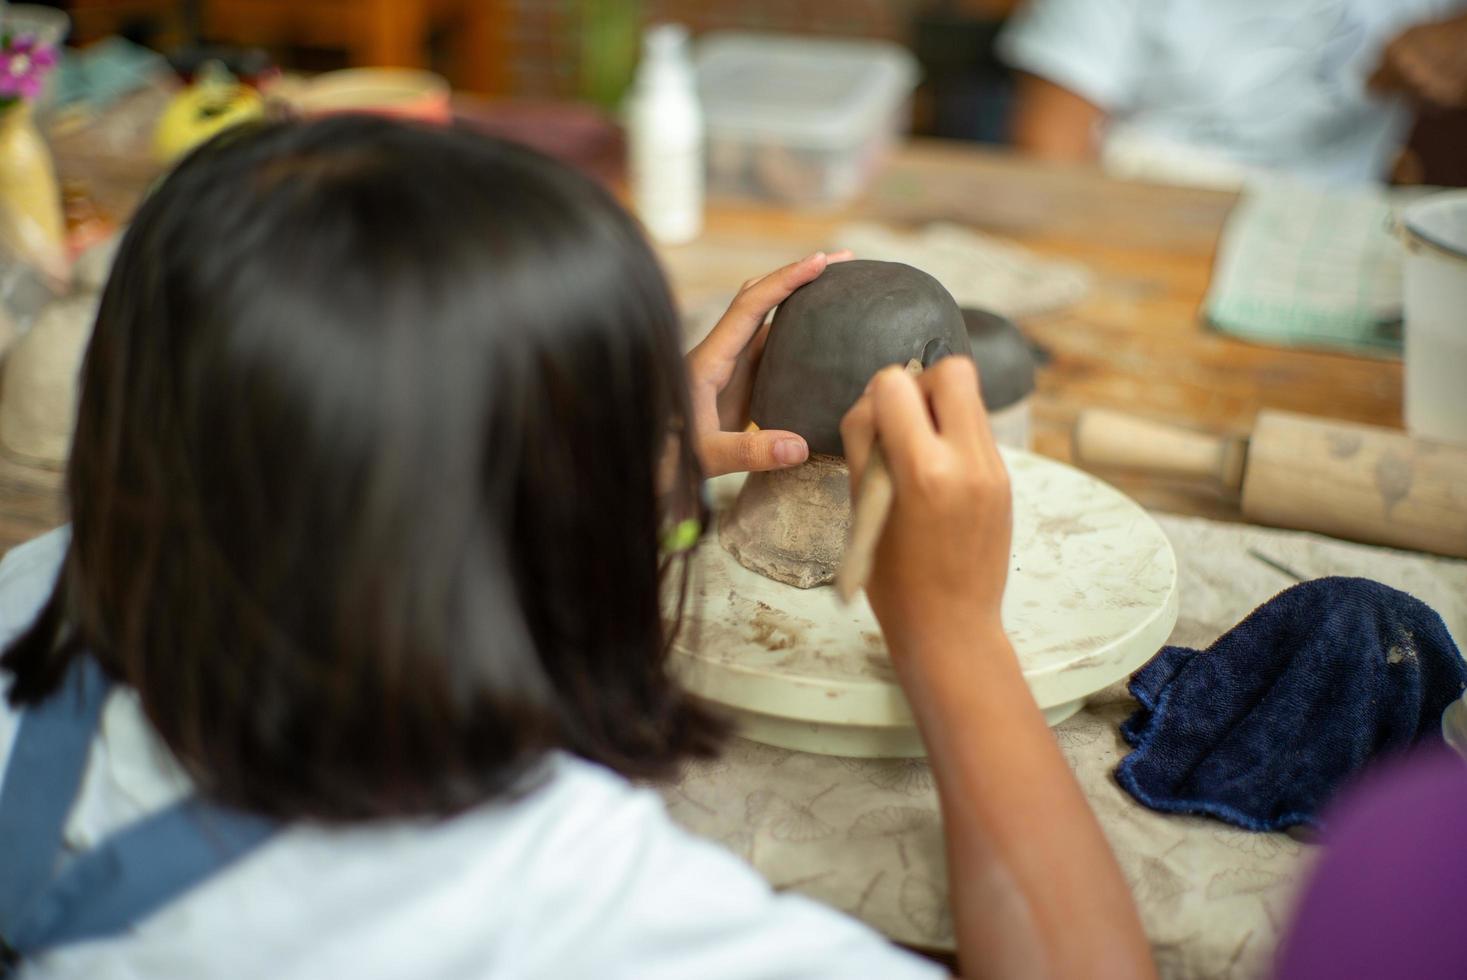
{"points": [[1107, 438]]}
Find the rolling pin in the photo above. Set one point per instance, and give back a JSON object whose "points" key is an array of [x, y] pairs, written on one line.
{"points": [[1360, 482]]}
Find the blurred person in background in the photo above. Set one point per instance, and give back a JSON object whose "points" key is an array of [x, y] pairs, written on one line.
{"points": [[1192, 91]]}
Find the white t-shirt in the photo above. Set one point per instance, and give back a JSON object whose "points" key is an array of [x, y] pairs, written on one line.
{"points": [[585, 877], [1214, 91]]}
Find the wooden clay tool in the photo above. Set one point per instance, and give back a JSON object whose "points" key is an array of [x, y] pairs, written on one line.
{"points": [[1360, 482], [868, 518]]}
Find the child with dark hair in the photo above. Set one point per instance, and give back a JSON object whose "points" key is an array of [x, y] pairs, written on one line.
{"points": [[357, 633]]}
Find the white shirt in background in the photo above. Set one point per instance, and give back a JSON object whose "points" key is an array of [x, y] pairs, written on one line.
{"points": [[1217, 91], [584, 877]]}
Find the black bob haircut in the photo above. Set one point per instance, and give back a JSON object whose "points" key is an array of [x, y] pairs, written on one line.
{"points": [[369, 473]]}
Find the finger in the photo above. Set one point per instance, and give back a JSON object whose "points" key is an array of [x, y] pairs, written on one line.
{"points": [[952, 388], [749, 308], [738, 390], [903, 422], [831, 258], [769, 290], [756, 345], [754, 349], [737, 452], [857, 432]]}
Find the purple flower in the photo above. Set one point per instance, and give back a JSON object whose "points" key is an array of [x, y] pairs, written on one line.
{"points": [[24, 61]]}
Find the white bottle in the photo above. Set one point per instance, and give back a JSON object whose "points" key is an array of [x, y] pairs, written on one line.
{"points": [[665, 137]]}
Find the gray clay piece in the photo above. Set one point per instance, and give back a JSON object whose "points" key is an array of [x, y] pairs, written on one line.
{"points": [[833, 334], [1005, 359], [826, 342]]}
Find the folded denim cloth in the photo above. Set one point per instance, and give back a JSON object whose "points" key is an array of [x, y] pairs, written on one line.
{"points": [[1262, 728]]}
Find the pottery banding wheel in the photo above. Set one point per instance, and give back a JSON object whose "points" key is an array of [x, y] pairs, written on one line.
{"points": [[1092, 595]]}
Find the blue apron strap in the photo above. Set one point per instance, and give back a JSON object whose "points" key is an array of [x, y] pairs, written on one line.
{"points": [[47, 760], [137, 871], [123, 880]]}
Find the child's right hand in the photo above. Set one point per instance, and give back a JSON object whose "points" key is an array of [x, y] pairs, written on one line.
{"points": [[943, 558], [1034, 888]]}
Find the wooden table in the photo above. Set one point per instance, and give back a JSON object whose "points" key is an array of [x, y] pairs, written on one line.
{"points": [[1135, 343]]}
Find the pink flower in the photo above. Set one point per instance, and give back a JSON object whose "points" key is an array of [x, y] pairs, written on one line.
{"points": [[24, 61]]}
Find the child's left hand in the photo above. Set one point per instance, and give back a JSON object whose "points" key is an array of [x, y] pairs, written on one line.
{"points": [[721, 376]]}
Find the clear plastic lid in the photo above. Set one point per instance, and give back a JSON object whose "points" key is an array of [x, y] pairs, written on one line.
{"points": [[805, 91]]}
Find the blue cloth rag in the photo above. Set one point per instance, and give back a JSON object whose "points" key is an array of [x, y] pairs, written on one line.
{"points": [[1262, 728]]}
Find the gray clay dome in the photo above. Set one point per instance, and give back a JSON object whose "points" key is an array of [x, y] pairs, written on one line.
{"points": [[831, 335], [1005, 359]]}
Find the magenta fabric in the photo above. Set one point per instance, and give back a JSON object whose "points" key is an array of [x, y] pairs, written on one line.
{"points": [[1389, 896]]}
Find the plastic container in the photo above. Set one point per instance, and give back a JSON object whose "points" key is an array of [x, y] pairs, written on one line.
{"points": [[1435, 279], [798, 120]]}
